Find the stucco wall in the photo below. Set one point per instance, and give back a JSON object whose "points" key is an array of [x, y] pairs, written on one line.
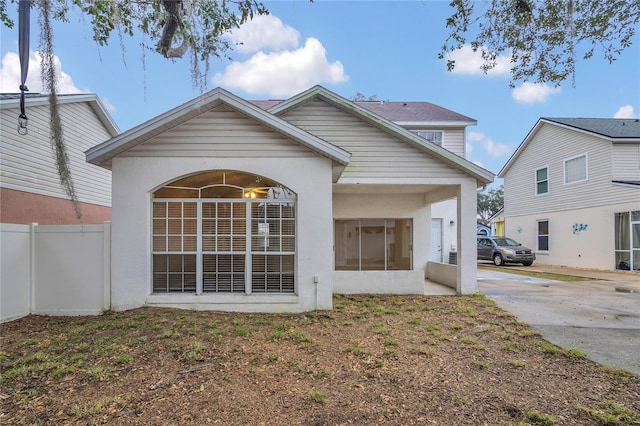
{"points": [[447, 211], [592, 247], [442, 273], [379, 282], [135, 179]]}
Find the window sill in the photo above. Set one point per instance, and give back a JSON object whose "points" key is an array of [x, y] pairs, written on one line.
{"points": [[222, 299]]}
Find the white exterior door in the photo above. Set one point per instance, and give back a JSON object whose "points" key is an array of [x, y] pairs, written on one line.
{"points": [[436, 240]]}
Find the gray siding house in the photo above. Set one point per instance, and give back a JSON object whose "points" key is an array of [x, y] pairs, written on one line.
{"points": [[572, 192]]}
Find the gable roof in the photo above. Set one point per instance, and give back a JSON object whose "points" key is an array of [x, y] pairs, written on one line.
{"points": [[12, 100], [103, 154], [613, 130], [497, 214], [353, 108], [406, 114]]}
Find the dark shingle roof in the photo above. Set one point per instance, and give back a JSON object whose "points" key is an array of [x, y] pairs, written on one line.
{"points": [[608, 127], [412, 111], [399, 112]]}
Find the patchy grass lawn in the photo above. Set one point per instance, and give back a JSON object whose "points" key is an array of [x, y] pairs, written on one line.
{"points": [[399, 360]]}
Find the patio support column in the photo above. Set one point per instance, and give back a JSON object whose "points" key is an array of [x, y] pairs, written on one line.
{"points": [[466, 240]]}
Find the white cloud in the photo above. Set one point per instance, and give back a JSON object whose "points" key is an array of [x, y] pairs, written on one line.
{"points": [[283, 73], [469, 62], [107, 104], [530, 93], [10, 75], [490, 147], [496, 149], [264, 32], [475, 136], [625, 111]]}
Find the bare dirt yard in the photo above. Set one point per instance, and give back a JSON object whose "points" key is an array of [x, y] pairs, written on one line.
{"points": [[397, 360]]}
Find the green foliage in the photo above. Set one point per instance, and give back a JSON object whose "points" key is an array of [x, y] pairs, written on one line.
{"points": [[489, 203], [317, 396], [195, 26], [611, 413], [543, 39], [360, 97], [124, 359], [540, 419], [4, 18]]}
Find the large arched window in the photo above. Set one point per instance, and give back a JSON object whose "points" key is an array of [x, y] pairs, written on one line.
{"points": [[224, 232]]}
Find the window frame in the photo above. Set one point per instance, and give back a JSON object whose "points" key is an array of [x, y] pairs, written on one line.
{"points": [[586, 168], [537, 182], [224, 236], [422, 134], [539, 235], [389, 248]]}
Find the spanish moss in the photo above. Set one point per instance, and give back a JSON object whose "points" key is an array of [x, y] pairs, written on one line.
{"points": [[49, 82]]}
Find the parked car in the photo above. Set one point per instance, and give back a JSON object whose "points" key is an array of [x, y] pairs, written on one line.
{"points": [[503, 250]]}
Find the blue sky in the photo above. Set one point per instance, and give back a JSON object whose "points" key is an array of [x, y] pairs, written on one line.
{"points": [[377, 48]]}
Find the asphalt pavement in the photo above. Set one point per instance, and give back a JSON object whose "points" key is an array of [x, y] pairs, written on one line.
{"points": [[600, 316]]}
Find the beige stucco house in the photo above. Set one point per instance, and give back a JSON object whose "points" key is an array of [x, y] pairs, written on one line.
{"points": [[224, 204], [572, 192]]}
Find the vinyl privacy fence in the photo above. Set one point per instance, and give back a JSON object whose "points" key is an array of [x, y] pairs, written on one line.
{"points": [[54, 270]]}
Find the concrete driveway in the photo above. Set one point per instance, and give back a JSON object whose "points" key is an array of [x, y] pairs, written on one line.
{"points": [[601, 317]]}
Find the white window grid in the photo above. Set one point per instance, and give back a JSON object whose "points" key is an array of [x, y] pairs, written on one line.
{"points": [[576, 169], [434, 136], [542, 239], [542, 181], [226, 246]]}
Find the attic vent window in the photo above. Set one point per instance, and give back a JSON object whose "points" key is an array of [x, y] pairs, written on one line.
{"points": [[435, 137]]}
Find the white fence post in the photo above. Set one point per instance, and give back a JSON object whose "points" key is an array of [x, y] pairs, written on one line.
{"points": [[16, 270], [32, 265], [106, 271]]}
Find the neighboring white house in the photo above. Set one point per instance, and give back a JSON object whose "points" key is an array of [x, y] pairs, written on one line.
{"points": [[220, 204], [572, 192], [30, 189]]}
